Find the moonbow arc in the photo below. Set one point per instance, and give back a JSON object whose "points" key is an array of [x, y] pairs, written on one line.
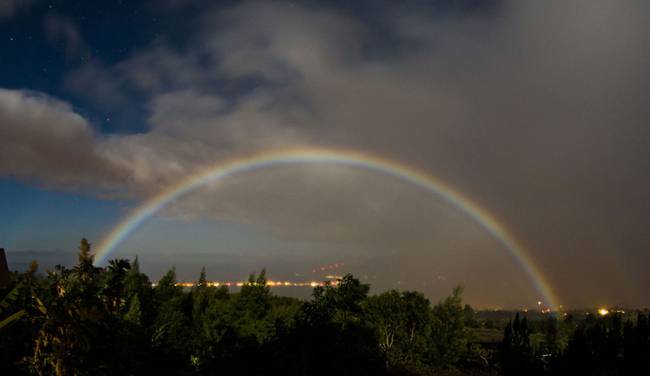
{"points": [[355, 159]]}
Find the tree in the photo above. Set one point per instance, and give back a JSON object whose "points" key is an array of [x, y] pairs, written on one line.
{"points": [[515, 353], [340, 302], [134, 314], [84, 268], [172, 334], [418, 326], [18, 306], [200, 297], [167, 289], [253, 304], [402, 322], [331, 324], [386, 313], [449, 337], [203, 281], [73, 325], [551, 331], [138, 284], [114, 285]]}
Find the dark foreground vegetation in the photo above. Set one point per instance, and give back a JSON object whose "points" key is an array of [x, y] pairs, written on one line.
{"points": [[101, 321]]}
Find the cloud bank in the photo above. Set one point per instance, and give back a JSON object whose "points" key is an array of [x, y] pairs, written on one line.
{"points": [[45, 141]]}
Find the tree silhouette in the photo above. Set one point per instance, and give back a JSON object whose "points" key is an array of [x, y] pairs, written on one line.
{"points": [[99, 321], [448, 339]]}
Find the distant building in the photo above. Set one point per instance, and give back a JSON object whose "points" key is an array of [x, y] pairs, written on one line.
{"points": [[4, 269]]}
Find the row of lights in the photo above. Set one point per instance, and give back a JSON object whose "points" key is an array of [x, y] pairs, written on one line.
{"points": [[601, 311], [605, 311], [268, 283]]}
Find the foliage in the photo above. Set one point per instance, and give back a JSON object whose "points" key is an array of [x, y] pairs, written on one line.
{"points": [[449, 338], [98, 321]]}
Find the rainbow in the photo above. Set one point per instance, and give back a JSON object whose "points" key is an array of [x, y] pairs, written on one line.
{"points": [[222, 170]]}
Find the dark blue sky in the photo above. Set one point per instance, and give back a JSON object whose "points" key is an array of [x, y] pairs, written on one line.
{"points": [[38, 53], [37, 57]]}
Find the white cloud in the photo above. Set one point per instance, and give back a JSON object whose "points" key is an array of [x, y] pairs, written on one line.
{"points": [[44, 140]]}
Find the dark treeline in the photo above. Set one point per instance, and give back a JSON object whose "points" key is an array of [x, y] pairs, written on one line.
{"points": [[99, 321]]}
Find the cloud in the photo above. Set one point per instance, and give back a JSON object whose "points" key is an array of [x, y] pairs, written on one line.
{"points": [[98, 85], [45, 141], [60, 29], [161, 69]]}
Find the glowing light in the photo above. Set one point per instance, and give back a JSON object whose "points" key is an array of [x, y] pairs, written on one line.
{"points": [[269, 283], [603, 311], [336, 157]]}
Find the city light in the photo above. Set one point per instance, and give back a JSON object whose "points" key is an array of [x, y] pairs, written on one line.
{"points": [[603, 311], [268, 283]]}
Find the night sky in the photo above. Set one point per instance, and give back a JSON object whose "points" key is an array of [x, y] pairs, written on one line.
{"points": [[537, 111]]}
